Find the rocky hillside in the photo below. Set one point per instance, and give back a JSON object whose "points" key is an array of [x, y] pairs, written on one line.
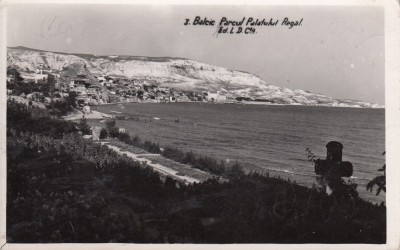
{"points": [[177, 73]]}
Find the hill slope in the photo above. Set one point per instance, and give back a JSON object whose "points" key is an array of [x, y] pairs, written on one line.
{"points": [[177, 73]]}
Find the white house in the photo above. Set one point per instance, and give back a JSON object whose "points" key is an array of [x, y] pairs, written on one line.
{"points": [[216, 97]]}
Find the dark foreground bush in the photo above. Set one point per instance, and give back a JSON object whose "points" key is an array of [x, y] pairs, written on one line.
{"points": [[60, 198]]}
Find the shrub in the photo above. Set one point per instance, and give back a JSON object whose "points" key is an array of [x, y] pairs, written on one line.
{"points": [[151, 147], [124, 137], [110, 124], [235, 172], [113, 132], [173, 154], [103, 133]]}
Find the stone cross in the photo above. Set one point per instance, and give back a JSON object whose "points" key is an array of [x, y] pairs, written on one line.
{"points": [[333, 168]]}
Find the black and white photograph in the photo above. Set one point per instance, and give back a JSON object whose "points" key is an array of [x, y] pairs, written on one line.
{"points": [[196, 124]]}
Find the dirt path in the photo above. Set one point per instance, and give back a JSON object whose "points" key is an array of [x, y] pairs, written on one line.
{"points": [[161, 168], [90, 115]]}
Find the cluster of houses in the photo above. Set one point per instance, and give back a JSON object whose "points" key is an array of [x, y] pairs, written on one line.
{"points": [[95, 90], [41, 74], [87, 90], [145, 90]]}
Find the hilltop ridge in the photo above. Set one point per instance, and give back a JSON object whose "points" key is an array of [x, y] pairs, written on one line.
{"points": [[179, 74]]}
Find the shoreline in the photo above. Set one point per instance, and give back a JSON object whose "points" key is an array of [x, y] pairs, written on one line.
{"points": [[244, 103]]}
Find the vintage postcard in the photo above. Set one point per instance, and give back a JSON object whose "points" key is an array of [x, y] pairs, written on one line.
{"points": [[190, 123]]}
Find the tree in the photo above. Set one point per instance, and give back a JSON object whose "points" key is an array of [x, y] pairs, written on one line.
{"points": [[61, 108], [379, 181], [12, 72], [112, 129], [84, 127], [72, 98], [20, 87]]}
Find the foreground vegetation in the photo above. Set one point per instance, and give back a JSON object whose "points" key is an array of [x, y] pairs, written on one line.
{"points": [[63, 188], [203, 163]]}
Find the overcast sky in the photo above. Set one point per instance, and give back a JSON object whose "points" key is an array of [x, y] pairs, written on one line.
{"points": [[338, 51]]}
